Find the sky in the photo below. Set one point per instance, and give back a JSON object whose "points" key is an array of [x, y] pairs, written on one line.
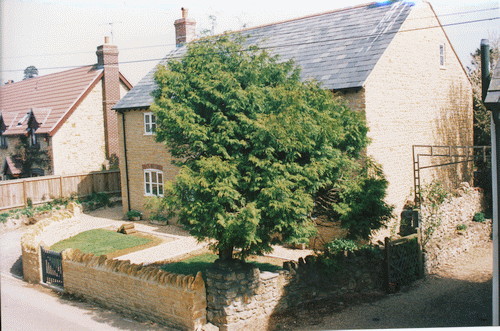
{"points": [[55, 35]]}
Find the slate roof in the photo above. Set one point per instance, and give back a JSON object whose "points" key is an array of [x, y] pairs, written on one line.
{"points": [[492, 100], [339, 48]]}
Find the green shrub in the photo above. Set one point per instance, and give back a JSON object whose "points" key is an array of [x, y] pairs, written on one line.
{"points": [[461, 227], [479, 217], [3, 217], [337, 246], [133, 213]]}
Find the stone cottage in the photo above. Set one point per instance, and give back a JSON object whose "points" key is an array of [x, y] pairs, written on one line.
{"points": [[392, 61], [67, 115]]}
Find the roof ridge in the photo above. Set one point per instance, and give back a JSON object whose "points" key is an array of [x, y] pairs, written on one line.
{"points": [[309, 16], [51, 74]]}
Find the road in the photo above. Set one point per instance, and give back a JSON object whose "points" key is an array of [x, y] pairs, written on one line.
{"points": [[32, 307]]}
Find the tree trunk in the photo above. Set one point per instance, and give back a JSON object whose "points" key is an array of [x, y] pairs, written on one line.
{"points": [[226, 253]]}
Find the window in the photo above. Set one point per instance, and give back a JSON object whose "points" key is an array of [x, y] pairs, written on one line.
{"points": [[3, 142], [149, 123], [33, 140], [153, 182], [442, 56]]}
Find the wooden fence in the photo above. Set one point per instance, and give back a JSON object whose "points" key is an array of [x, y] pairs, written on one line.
{"points": [[15, 193]]}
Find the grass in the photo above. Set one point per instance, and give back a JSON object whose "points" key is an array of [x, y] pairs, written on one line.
{"points": [[202, 262], [100, 242]]}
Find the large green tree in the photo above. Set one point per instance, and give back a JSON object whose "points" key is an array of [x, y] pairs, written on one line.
{"points": [[255, 144]]}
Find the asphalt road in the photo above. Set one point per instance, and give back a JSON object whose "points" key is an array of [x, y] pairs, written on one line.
{"points": [[32, 307]]}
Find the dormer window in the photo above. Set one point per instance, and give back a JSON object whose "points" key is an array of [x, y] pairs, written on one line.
{"points": [[149, 123]]}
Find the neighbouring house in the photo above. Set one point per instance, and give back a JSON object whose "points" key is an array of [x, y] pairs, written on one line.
{"points": [[65, 117], [392, 61]]}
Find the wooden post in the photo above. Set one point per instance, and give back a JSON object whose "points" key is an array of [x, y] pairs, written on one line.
{"points": [[61, 195], [420, 254], [25, 196]]}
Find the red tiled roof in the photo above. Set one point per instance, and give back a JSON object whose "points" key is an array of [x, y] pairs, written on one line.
{"points": [[12, 166], [52, 97]]}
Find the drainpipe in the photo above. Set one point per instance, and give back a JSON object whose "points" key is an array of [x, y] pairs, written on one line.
{"points": [[495, 174], [126, 160]]}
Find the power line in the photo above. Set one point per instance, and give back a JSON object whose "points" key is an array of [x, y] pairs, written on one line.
{"points": [[285, 45], [173, 44]]}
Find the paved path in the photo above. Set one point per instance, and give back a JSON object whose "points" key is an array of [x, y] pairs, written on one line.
{"points": [[183, 243]]}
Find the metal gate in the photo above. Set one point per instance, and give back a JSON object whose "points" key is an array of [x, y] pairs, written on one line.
{"points": [[454, 155], [52, 272], [404, 261]]}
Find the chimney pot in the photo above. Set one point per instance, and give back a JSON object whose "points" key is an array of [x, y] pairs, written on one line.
{"points": [[106, 40]]}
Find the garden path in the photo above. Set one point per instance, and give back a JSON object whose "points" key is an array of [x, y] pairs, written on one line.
{"points": [[113, 217]]}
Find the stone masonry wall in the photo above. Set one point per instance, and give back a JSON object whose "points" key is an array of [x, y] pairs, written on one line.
{"points": [[45, 232], [446, 241], [177, 301], [141, 150], [240, 297]]}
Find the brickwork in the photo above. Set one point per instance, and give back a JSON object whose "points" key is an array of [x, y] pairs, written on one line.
{"points": [[185, 29], [107, 56], [177, 301], [141, 150]]}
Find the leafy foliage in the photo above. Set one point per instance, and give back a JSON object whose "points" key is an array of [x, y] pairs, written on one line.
{"points": [[357, 200], [30, 72], [29, 157], [254, 144]]}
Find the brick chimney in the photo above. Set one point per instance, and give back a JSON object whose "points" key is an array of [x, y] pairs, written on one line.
{"points": [[184, 29], [107, 59]]}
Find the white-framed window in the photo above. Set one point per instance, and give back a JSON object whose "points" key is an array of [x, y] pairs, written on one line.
{"points": [[149, 123], [153, 182], [442, 56]]}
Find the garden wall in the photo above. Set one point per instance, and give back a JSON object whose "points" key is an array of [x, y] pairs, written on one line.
{"points": [[58, 226], [446, 241], [240, 297], [174, 300]]}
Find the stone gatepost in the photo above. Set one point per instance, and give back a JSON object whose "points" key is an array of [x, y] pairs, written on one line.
{"points": [[241, 297]]}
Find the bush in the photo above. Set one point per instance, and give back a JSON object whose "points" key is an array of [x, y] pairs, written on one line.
{"points": [[337, 246], [461, 227], [479, 217], [133, 213]]}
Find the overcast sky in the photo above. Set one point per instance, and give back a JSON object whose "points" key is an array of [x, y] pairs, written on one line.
{"points": [[54, 35]]}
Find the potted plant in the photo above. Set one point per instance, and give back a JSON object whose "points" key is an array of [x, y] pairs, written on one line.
{"points": [[134, 215]]}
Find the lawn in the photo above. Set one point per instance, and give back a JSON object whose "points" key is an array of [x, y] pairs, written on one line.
{"points": [[202, 262], [101, 242]]}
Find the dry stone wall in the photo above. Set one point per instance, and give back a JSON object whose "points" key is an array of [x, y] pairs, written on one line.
{"points": [[174, 300], [446, 241], [241, 297]]}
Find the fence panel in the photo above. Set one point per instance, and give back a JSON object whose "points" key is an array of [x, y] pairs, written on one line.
{"points": [[12, 195], [15, 193]]}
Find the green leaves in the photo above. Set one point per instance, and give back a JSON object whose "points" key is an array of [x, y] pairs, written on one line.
{"points": [[254, 143]]}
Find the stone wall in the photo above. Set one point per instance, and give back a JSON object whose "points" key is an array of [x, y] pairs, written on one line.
{"points": [[240, 297], [177, 301], [142, 150], [446, 241], [46, 232]]}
